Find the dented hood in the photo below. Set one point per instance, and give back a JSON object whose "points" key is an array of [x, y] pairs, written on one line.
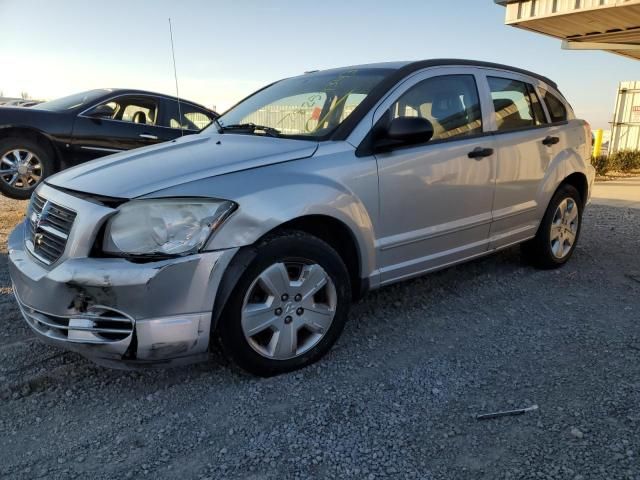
{"points": [[194, 157]]}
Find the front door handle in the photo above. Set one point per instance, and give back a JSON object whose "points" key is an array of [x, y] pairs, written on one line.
{"points": [[148, 136], [550, 141], [479, 153]]}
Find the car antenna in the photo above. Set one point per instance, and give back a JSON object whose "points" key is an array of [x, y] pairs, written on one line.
{"points": [[175, 75]]}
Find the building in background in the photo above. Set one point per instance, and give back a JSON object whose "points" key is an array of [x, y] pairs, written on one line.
{"points": [[610, 25], [625, 127]]}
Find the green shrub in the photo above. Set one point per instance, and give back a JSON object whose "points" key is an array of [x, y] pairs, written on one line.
{"points": [[602, 164], [623, 161], [627, 160]]}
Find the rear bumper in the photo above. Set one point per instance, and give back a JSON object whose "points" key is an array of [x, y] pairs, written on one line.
{"points": [[117, 312]]}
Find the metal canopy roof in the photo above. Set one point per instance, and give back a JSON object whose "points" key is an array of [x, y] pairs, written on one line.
{"points": [[612, 25]]}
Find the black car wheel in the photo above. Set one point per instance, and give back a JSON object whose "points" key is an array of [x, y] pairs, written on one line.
{"points": [[289, 306], [24, 163]]}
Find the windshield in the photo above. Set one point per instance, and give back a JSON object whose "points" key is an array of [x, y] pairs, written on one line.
{"points": [[72, 101], [309, 106]]}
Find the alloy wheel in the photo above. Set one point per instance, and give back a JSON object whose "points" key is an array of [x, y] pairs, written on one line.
{"points": [[20, 168], [288, 309], [564, 228]]}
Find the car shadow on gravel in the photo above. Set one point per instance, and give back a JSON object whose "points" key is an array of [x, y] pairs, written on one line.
{"points": [[37, 367]]}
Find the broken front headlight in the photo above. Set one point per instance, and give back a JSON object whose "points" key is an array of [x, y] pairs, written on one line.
{"points": [[164, 226]]}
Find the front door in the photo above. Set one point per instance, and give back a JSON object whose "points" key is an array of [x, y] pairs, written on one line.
{"points": [[436, 198], [134, 124]]}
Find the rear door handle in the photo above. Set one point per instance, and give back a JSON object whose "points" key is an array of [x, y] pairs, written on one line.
{"points": [[550, 141], [148, 136], [479, 153]]}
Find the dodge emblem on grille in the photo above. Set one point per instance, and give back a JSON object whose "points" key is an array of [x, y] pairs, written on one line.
{"points": [[37, 217], [37, 239]]}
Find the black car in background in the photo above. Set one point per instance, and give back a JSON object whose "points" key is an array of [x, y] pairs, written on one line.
{"points": [[46, 138]]}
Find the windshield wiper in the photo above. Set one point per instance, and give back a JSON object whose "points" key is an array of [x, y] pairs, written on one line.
{"points": [[249, 128]]}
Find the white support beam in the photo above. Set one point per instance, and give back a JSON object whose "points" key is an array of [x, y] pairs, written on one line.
{"points": [[569, 45]]}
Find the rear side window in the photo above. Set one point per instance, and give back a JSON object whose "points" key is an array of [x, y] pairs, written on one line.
{"points": [[516, 104], [557, 110], [536, 106], [450, 103], [187, 117]]}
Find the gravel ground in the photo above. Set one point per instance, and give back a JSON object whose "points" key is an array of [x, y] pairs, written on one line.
{"points": [[395, 398]]}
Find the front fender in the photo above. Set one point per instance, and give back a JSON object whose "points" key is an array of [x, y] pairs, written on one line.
{"points": [[336, 185], [56, 138]]}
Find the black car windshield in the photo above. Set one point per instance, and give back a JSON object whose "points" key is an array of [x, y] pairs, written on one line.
{"points": [[72, 101], [310, 106]]}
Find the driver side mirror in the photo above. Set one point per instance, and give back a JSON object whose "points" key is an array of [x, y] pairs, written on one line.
{"points": [[404, 131], [101, 111], [410, 130]]}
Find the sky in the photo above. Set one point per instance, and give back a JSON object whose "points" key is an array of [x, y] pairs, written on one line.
{"points": [[227, 49]]}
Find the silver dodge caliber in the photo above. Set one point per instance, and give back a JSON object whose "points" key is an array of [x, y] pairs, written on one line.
{"points": [[259, 232]]}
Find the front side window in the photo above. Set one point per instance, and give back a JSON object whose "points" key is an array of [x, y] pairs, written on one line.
{"points": [[450, 103], [557, 110], [310, 106], [139, 114], [143, 110], [516, 104]]}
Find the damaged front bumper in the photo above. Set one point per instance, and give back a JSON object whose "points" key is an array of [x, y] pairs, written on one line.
{"points": [[117, 312]]}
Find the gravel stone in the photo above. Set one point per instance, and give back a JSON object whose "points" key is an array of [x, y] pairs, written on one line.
{"points": [[396, 398], [576, 432]]}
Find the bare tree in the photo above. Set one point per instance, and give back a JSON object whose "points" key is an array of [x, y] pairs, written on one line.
{"points": [[25, 95]]}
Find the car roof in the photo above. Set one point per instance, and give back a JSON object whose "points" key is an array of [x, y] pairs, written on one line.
{"points": [[409, 66], [133, 91], [399, 71]]}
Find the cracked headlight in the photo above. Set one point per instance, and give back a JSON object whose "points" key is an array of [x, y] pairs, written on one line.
{"points": [[164, 226]]}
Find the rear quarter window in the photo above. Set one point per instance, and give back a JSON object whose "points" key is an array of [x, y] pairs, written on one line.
{"points": [[558, 111]]}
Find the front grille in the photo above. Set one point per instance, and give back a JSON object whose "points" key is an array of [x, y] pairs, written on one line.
{"points": [[49, 228], [99, 325]]}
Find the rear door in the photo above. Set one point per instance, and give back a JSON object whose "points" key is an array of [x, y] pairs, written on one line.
{"points": [[436, 198], [524, 152], [133, 125]]}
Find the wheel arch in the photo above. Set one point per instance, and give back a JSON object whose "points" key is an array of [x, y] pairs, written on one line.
{"points": [[337, 235], [328, 229], [35, 135], [579, 181]]}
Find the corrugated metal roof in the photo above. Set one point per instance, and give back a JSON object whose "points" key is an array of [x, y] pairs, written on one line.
{"points": [[613, 22]]}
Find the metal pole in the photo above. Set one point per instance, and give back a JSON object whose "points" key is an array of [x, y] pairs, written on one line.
{"points": [[597, 145], [175, 75]]}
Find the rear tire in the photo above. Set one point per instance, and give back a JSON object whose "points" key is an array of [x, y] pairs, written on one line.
{"points": [[289, 306], [558, 232], [24, 164]]}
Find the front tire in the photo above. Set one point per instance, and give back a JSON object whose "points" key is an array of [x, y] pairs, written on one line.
{"points": [[289, 306], [559, 230], [24, 164]]}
